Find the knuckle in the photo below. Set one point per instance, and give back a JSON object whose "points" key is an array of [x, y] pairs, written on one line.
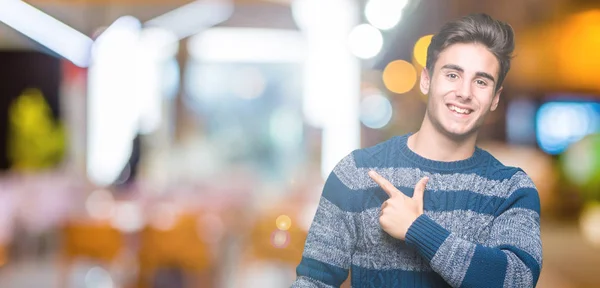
{"points": [[382, 221]]}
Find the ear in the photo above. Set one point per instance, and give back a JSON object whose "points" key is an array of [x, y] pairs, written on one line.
{"points": [[425, 81], [496, 99]]}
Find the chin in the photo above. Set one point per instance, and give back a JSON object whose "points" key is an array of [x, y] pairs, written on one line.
{"points": [[459, 134], [456, 131]]}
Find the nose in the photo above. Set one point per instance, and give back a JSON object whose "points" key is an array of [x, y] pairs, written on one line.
{"points": [[464, 90]]}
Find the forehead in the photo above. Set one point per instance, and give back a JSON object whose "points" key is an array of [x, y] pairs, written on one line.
{"points": [[472, 57]]}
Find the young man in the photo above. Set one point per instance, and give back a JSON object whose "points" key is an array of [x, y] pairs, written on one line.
{"points": [[430, 209]]}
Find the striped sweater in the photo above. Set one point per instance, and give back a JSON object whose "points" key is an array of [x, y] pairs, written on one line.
{"points": [[480, 227]]}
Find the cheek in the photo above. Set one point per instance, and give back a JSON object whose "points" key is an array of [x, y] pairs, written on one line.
{"points": [[443, 88], [485, 100], [484, 96]]}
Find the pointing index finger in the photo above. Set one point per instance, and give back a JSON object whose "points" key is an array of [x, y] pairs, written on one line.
{"points": [[387, 187]]}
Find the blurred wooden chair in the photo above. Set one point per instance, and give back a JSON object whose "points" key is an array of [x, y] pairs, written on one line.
{"points": [[90, 240], [179, 246], [271, 250], [279, 237], [269, 243]]}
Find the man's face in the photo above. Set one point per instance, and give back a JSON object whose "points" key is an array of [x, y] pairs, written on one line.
{"points": [[461, 89]]}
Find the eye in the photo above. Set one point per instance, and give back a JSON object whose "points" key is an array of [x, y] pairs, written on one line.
{"points": [[452, 76], [481, 83]]}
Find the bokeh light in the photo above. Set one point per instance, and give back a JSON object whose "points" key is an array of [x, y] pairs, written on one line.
{"points": [[375, 111], [100, 205], [280, 239], [560, 124], [384, 14], [98, 277], [520, 121], [164, 216], [365, 41], [128, 217], [283, 222], [589, 222], [420, 50], [576, 49], [581, 165], [399, 76]]}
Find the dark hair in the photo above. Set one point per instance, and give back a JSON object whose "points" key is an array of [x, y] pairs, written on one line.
{"points": [[496, 35]]}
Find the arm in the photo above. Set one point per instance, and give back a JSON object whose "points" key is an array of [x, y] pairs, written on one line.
{"points": [[511, 258], [331, 238]]}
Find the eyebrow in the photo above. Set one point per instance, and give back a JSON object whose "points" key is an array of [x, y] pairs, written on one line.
{"points": [[460, 69]]}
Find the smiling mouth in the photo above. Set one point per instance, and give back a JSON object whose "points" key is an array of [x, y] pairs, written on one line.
{"points": [[459, 110]]}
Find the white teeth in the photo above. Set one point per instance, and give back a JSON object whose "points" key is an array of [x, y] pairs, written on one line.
{"points": [[459, 110]]}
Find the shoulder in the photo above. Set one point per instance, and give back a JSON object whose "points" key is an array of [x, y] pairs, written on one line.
{"points": [[352, 169], [516, 185], [377, 155], [496, 170]]}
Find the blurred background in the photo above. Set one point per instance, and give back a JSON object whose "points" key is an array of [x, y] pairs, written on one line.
{"points": [[178, 143]]}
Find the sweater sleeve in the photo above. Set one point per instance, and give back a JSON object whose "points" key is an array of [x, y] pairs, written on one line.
{"points": [[512, 257], [331, 238]]}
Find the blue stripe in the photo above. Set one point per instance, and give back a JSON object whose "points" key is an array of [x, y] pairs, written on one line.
{"points": [[527, 259], [362, 277], [496, 171], [364, 199], [487, 262], [527, 198], [384, 155], [326, 273], [403, 163], [339, 194]]}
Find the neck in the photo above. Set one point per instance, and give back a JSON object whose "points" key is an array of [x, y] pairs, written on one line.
{"points": [[430, 143]]}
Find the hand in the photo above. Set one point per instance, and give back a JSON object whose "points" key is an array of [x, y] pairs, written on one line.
{"points": [[399, 211]]}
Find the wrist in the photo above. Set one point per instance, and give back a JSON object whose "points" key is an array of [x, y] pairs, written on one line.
{"points": [[411, 221], [426, 235]]}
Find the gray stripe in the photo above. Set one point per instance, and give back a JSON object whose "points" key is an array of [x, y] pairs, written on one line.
{"points": [[305, 282], [466, 224], [518, 227], [378, 250], [331, 236], [357, 179], [452, 259], [522, 180], [517, 273]]}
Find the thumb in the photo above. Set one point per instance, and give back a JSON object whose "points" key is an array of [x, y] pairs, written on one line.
{"points": [[420, 189]]}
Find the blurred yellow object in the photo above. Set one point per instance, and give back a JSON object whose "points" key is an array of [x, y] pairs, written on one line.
{"points": [[577, 49], [35, 141], [179, 246], [283, 222], [589, 223], [269, 242], [399, 76], [419, 60], [559, 55], [95, 240], [420, 51]]}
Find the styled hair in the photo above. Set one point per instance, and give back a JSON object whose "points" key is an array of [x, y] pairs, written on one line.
{"points": [[480, 28]]}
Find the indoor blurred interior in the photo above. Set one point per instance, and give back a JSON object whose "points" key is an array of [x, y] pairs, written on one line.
{"points": [[178, 143]]}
